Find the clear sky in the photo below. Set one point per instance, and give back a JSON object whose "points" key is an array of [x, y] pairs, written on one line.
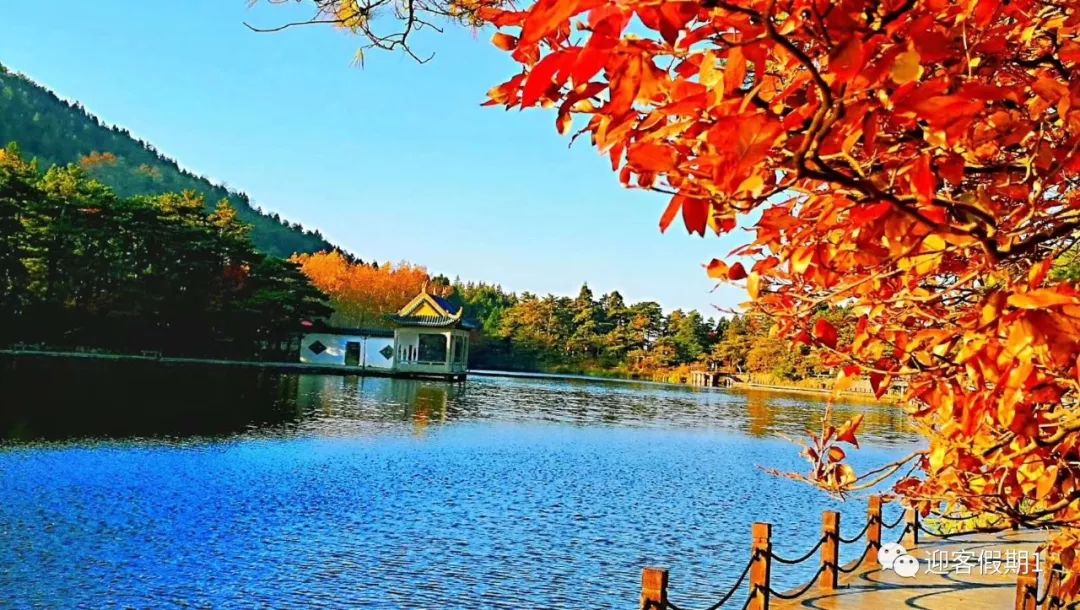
{"points": [[393, 161]]}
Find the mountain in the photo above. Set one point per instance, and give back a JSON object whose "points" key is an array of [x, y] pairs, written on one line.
{"points": [[58, 132]]}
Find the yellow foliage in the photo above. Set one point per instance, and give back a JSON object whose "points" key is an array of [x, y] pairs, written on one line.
{"points": [[362, 295]]}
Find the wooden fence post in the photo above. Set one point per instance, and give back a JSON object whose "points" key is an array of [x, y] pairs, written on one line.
{"points": [[873, 533], [1026, 588], [760, 568], [830, 550], [911, 519], [654, 583], [1053, 586]]}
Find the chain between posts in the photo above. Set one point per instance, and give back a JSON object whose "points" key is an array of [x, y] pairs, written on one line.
{"points": [[759, 566], [654, 580], [806, 556]]}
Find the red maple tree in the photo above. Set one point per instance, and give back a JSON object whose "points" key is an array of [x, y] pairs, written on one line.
{"points": [[916, 161]]}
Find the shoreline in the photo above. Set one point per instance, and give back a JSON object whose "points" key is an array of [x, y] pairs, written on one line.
{"points": [[748, 386], [299, 367]]}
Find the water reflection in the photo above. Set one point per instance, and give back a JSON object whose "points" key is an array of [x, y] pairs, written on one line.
{"points": [[56, 400], [350, 405]]}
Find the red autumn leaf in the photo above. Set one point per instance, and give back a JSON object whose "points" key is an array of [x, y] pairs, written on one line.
{"points": [[848, 60], [541, 79], [695, 213], [589, 62], [862, 214], [923, 178], [673, 18], [672, 210], [825, 332], [878, 383], [736, 272]]}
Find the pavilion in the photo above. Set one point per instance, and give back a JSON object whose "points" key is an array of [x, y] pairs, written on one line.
{"points": [[429, 338]]}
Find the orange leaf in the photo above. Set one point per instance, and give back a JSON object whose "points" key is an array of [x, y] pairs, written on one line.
{"points": [[836, 454], [717, 269], [735, 70], [547, 15], [1039, 299], [846, 432], [651, 157], [505, 42]]}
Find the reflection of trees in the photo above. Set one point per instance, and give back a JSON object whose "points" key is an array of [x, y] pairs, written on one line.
{"points": [[424, 403], [770, 412], [759, 413]]}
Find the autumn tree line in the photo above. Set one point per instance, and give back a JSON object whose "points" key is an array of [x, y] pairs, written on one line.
{"points": [[585, 334]]}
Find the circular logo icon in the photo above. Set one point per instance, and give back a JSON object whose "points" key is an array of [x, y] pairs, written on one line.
{"points": [[889, 553], [906, 566]]}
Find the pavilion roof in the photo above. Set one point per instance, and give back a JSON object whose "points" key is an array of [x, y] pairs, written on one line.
{"points": [[434, 322]]}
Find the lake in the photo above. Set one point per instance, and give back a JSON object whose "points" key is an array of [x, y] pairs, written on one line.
{"points": [[143, 486]]}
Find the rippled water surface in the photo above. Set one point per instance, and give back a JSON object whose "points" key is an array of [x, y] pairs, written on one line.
{"points": [[203, 489]]}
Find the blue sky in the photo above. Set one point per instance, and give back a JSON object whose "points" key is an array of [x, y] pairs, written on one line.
{"points": [[393, 161]]}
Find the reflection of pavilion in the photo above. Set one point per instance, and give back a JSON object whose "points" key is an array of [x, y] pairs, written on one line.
{"points": [[430, 338], [377, 398]]}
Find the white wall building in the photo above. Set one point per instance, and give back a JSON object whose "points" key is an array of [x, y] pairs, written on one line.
{"points": [[430, 338]]}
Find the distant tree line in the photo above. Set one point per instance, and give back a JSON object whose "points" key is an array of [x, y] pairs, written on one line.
{"points": [[83, 266], [58, 132], [606, 335]]}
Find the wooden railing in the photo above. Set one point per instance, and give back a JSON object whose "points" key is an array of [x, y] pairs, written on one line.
{"points": [[763, 558]]}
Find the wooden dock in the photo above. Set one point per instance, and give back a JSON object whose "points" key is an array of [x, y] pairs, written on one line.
{"points": [[976, 571], [875, 588]]}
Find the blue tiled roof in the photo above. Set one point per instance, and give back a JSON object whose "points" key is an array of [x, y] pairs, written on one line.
{"points": [[449, 307]]}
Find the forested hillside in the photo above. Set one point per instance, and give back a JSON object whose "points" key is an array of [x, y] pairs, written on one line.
{"points": [[81, 267], [57, 132]]}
